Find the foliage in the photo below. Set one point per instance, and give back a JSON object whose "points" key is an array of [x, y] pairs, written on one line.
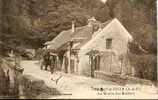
{"points": [[139, 18], [30, 23], [145, 65]]}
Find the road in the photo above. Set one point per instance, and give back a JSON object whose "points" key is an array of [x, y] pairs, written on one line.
{"points": [[74, 86]]}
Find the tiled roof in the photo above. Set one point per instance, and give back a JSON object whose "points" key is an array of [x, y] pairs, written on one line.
{"points": [[85, 33], [62, 38], [89, 34], [66, 36]]}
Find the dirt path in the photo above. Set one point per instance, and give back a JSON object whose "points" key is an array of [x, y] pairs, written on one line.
{"points": [[70, 86]]}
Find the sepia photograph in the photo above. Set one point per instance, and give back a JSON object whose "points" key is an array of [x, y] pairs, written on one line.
{"points": [[78, 49]]}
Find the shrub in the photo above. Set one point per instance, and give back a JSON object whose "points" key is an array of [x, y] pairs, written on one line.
{"points": [[145, 65]]}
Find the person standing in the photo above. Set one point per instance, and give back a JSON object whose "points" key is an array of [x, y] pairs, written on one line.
{"points": [[52, 64], [45, 60]]}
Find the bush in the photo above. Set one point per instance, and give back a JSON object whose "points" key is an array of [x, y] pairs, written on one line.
{"points": [[145, 65]]}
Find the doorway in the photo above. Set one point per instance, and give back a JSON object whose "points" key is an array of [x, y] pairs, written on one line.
{"points": [[95, 64]]}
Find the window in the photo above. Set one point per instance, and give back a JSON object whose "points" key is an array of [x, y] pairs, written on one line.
{"points": [[108, 43]]}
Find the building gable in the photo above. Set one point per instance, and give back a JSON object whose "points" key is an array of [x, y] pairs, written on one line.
{"points": [[115, 27], [116, 32]]}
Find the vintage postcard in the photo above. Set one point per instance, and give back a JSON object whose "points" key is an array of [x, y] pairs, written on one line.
{"points": [[78, 49]]}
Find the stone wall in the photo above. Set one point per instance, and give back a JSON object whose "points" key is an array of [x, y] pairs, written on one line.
{"points": [[35, 88]]}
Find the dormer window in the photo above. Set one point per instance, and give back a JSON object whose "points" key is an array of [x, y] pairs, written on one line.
{"points": [[109, 43]]}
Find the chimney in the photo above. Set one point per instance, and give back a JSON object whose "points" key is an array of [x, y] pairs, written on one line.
{"points": [[91, 21], [73, 27]]}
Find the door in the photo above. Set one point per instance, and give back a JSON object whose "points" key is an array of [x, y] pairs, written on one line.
{"points": [[106, 62], [92, 66], [95, 64], [66, 64], [72, 64]]}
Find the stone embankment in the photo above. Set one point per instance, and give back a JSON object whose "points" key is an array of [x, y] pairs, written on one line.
{"points": [[35, 88]]}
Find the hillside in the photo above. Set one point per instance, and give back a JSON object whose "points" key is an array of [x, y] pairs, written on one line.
{"points": [[30, 23]]}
